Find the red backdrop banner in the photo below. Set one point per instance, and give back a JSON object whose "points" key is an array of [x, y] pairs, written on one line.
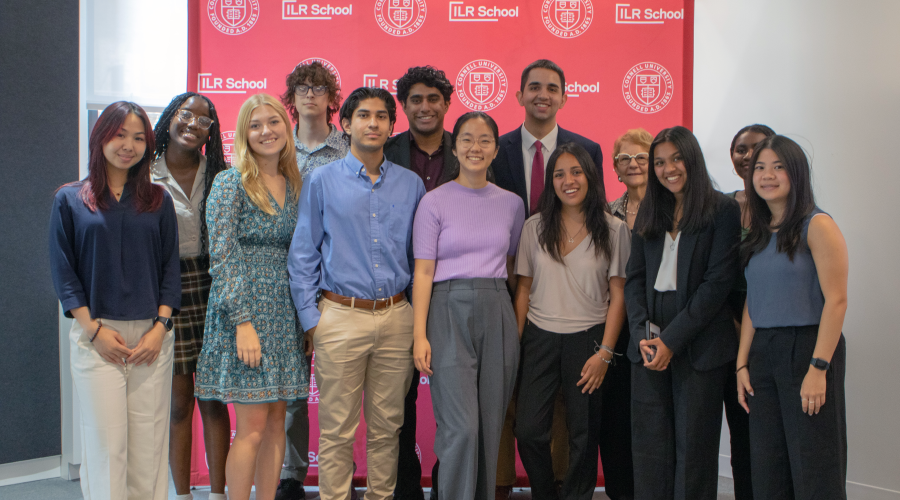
{"points": [[627, 65]]}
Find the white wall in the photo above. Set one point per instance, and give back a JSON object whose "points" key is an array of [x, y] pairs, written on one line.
{"points": [[136, 51], [827, 74]]}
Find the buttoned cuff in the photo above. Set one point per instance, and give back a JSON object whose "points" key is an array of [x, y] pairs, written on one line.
{"points": [[309, 317]]}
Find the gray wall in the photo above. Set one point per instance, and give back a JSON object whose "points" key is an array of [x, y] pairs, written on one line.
{"points": [[827, 74], [38, 153]]}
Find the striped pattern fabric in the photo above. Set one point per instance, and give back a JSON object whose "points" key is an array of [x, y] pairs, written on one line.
{"points": [[195, 283]]}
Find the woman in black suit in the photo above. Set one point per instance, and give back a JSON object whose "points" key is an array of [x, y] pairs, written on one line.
{"points": [[684, 261]]}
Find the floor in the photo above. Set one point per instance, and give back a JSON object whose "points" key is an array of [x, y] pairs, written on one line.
{"points": [[60, 489]]}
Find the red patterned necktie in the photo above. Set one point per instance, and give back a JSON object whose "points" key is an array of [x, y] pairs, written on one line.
{"points": [[537, 176]]}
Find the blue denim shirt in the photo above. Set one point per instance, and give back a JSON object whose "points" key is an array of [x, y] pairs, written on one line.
{"points": [[353, 237]]}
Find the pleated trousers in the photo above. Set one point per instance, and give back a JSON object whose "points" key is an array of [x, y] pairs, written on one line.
{"points": [[474, 356], [124, 417]]}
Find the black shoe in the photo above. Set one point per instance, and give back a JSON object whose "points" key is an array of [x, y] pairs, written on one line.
{"points": [[353, 494], [290, 489]]}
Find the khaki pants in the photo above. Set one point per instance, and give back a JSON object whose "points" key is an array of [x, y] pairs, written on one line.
{"points": [[124, 417], [361, 351]]}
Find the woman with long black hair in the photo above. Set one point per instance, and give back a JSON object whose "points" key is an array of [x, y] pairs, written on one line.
{"points": [[683, 264], [792, 357], [114, 258], [570, 308], [187, 158]]}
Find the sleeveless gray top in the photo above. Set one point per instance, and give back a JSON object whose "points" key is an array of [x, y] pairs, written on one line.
{"points": [[784, 293]]}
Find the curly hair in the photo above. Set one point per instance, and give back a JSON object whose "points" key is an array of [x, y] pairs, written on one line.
{"points": [[215, 154], [317, 74], [430, 76]]}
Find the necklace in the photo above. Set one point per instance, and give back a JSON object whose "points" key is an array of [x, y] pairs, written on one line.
{"points": [[626, 206], [571, 239]]}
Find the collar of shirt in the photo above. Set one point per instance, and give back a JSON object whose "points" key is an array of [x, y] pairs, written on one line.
{"points": [[548, 142], [333, 140], [159, 172], [359, 169], [415, 146]]}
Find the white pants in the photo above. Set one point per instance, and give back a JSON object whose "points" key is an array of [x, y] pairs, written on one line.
{"points": [[124, 417]]}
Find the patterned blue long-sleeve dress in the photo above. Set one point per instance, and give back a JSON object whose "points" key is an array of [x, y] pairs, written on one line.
{"points": [[248, 251]]}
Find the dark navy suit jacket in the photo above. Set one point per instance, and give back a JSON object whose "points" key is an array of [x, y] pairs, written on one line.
{"points": [[509, 166]]}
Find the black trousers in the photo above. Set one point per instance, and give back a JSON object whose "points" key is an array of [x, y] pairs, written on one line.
{"points": [[615, 437], [676, 423], [552, 362], [794, 455], [409, 470], [739, 430]]}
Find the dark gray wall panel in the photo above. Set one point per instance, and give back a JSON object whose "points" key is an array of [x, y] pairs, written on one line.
{"points": [[38, 153]]}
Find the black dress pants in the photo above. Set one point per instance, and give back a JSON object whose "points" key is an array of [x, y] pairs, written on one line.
{"points": [[615, 436], [739, 431], [795, 455], [552, 362], [676, 423], [409, 470]]}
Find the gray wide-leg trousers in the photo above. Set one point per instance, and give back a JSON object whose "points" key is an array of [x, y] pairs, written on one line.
{"points": [[474, 356]]}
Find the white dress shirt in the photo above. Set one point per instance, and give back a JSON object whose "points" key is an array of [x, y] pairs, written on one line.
{"points": [[548, 145], [187, 209]]}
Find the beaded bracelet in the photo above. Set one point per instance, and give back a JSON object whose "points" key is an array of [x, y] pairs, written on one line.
{"points": [[99, 326]]}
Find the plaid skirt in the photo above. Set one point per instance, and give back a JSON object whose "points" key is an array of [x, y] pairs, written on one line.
{"points": [[189, 324]]}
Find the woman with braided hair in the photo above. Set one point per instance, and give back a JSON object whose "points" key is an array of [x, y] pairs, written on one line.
{"points": [[187, 158]]}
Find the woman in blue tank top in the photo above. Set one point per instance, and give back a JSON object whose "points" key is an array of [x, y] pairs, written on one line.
{"points": [[791, 361]]}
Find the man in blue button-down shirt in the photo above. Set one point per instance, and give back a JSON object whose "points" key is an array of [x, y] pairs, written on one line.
{"points": [[354, 243]]}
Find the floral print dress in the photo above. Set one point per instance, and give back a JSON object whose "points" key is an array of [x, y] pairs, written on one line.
{"points": [[248, 251]]}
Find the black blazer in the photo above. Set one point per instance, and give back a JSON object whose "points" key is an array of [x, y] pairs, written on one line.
{"points": [[708, 267], [509, 165], [396, 150]]}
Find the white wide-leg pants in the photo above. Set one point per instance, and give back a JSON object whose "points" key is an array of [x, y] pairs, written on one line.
{"points": [[124, 417]]}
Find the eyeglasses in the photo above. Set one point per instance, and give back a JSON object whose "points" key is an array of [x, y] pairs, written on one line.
{"points": [[624, 159], [468, 142], [187, 117], [318, 90]]}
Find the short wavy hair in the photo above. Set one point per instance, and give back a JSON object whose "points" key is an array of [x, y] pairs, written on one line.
{"points": [[430, 76], [636, 136], [317, 74]]}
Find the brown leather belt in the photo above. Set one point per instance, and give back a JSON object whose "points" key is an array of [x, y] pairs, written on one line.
{"points": [[372, 305]]}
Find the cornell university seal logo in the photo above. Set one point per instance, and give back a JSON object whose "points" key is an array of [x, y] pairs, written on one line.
{"points": [[233, 17], [481, 85], [648, 87], [567, 18], [400, 17]]}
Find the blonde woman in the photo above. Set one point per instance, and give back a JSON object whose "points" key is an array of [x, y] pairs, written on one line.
{"points": [[251, 353]]}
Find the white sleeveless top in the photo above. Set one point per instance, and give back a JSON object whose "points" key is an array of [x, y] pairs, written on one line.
{"points": [[667, 278]]}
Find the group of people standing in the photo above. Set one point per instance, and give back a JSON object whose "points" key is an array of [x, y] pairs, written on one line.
{"points": [[542, 314]]}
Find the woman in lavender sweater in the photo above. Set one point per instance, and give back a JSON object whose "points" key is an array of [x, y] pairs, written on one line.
{"points": [[465, 237]]}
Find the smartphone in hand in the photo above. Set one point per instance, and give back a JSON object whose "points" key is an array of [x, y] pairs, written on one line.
{"points": [[652, 333]]}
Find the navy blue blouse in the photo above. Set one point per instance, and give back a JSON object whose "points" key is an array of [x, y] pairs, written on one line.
{"points": [[119, 263]]}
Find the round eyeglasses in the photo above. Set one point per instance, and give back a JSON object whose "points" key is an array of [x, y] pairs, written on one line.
{"points": [[187, 117]]}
